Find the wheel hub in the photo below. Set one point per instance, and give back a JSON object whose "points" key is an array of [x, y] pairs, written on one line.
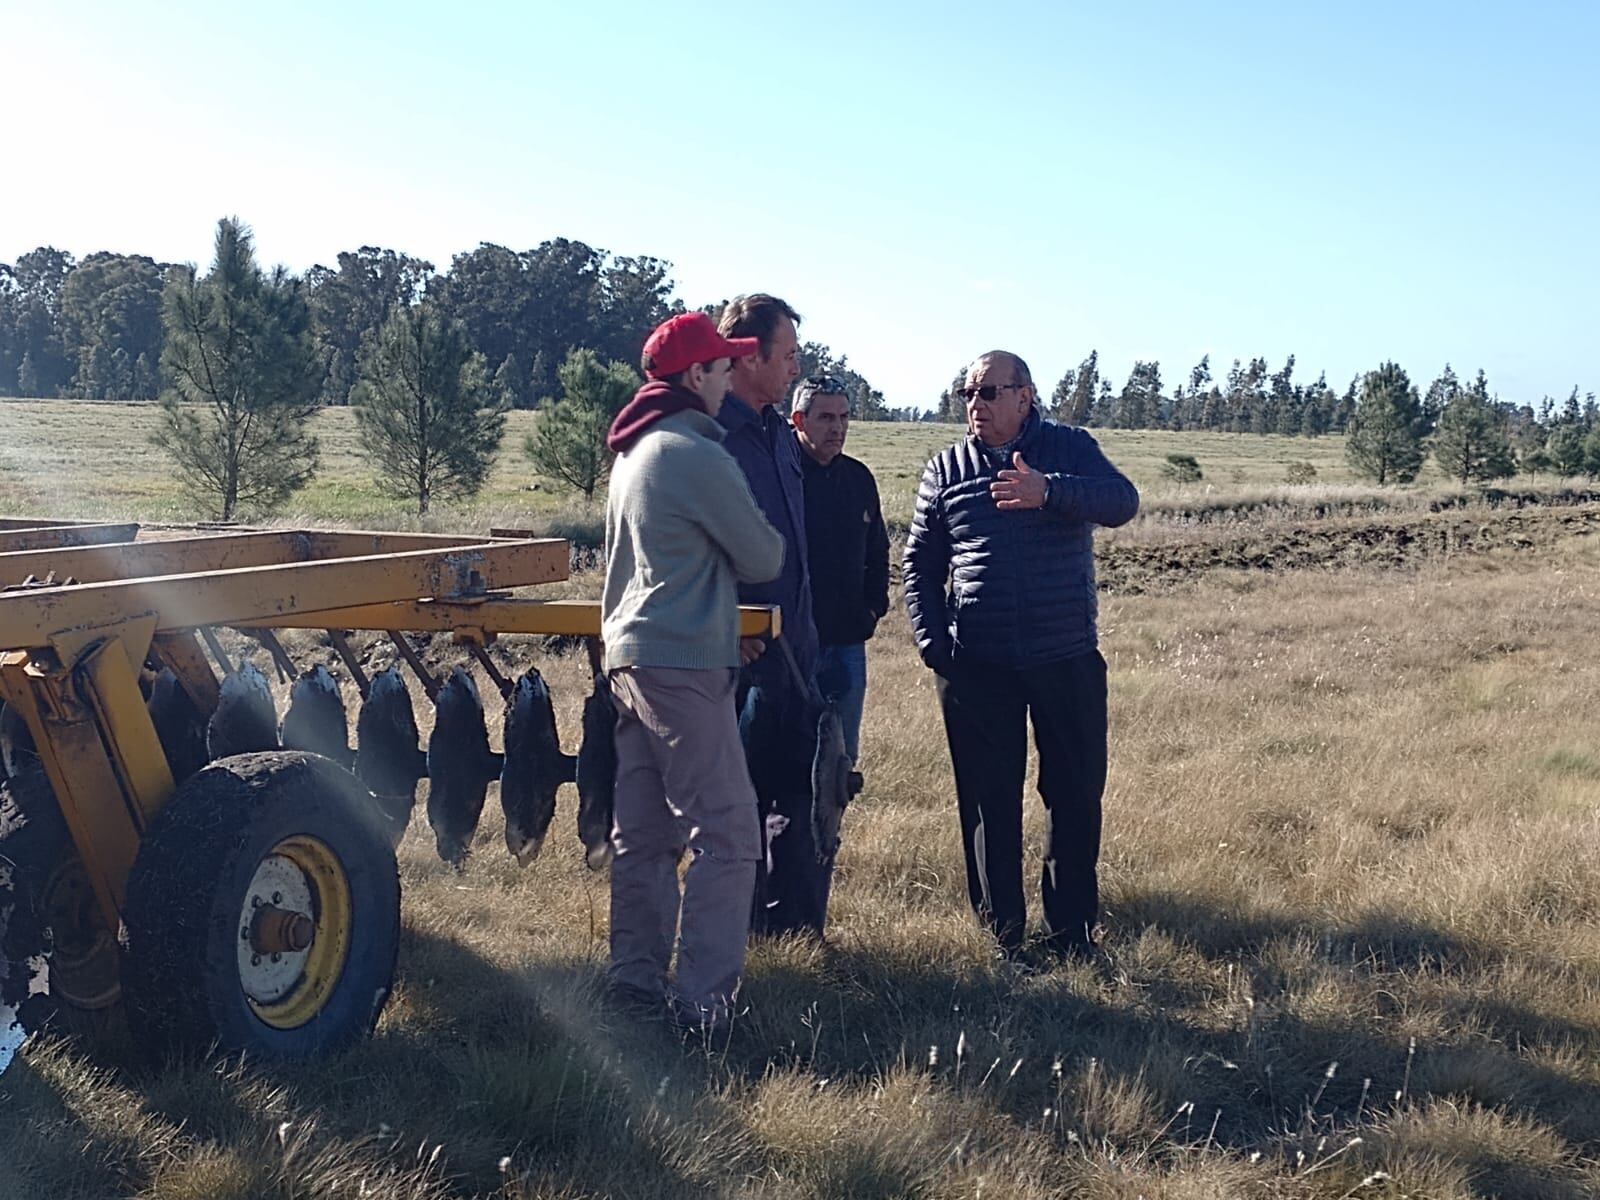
{"points": [[294, 931], [279, 896], [280, 931]]}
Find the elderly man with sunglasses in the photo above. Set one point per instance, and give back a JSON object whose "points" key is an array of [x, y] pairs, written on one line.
{"points": [[999, 582], [847, 546]]}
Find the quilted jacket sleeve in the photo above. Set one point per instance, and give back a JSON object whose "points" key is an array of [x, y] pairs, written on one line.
{"points": [[1092, 489], [927, 565]]}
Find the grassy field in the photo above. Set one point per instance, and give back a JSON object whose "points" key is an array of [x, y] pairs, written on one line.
{"points": [[1350, 905], [90, 459]]}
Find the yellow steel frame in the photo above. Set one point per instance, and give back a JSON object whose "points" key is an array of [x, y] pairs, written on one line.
{"points": [[34, 616], [96, 742], [481, 620], [70, 654], [42, 522], [212, 552], [45, 537]]}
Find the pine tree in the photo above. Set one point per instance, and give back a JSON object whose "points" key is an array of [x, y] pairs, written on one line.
{"points": [[1384, 443], [1104, 407], [1470, 441], [1075, 408], [512, 382], [1285, 401], [1572, 411], [569, 442], [1591, 452], [1139, 405], [1061, 398], [244, 375], [1346, 407], [1565, 449], [428, 419], [1438, 397], [952, 408]]}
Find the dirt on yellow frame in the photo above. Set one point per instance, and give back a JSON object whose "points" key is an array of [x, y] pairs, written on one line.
{"points": [[46, 537], [473, 619], [213, 552], [34, 617]]}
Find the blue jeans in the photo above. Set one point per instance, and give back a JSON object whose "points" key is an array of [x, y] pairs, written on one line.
{"points": [[842, 678]]}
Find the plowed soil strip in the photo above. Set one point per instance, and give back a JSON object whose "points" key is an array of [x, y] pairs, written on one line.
{"points": [[1129, 568]]}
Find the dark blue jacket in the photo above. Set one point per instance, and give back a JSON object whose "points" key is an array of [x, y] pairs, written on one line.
{"points": [[768, 453], [1021, 583], [848, 550]]}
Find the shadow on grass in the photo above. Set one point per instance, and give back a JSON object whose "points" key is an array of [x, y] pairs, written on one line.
{"points": [[466, 1083], [486, 1074], [1319, 1043], [1488, 1050]]}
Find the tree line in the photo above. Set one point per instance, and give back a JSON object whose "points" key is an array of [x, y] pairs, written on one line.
{"points": [[1391, 426], [94, 329], [240, 358], [1250, 398]]}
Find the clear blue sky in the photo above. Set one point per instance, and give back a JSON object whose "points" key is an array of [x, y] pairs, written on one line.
{"points": [[1416, 181]]}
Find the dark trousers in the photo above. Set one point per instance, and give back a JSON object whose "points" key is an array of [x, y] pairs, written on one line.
{"points": [[986, 710], [778, 727]]}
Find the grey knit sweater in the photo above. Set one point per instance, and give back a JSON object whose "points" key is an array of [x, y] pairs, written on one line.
{"points": [[682, 531]]}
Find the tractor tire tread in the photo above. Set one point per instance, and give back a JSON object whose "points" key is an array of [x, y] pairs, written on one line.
{"points": [[180, 969]]}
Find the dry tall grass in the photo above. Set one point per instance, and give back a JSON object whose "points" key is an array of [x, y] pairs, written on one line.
{"points": [[87, 458], [1350, 898]]}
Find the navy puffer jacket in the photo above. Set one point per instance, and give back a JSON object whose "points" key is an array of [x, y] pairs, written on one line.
{"points": [[1021, 583]]}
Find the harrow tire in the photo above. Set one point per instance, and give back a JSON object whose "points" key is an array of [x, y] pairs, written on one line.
{"points": [[54, 913], [274, 832]]}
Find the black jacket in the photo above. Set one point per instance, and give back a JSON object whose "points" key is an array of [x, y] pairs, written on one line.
{"points": [[1021, 583], [848, 549]]}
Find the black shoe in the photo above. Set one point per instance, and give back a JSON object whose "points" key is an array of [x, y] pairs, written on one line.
{"points": [[707, 1029], [1080, 951], [636, 1003], [1025, 960]]}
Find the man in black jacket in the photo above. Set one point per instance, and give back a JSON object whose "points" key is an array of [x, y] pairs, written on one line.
{"points": [[1007, 517], [847, 547]]}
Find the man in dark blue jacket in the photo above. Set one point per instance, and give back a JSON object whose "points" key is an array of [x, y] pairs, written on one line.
{"points": [[1007, 517], [778, 713], [847, 547]]}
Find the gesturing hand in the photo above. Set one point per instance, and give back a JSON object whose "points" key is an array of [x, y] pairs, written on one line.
{"points": [[1020, 488]]}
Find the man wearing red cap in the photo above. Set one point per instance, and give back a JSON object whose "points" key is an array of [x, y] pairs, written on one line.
{"points": [[682, 532]]}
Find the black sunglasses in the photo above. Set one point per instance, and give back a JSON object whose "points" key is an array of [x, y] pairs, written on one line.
{"points": [[987, 392]]}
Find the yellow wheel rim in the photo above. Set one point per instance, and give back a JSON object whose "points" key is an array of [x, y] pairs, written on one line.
{"points": [[302, 879]]}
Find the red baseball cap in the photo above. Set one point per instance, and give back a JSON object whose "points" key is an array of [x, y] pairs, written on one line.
{"points": [[690, 338]]}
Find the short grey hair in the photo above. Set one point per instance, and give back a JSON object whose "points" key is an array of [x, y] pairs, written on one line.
{"points": [[812, 386], [1019, 370]]}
